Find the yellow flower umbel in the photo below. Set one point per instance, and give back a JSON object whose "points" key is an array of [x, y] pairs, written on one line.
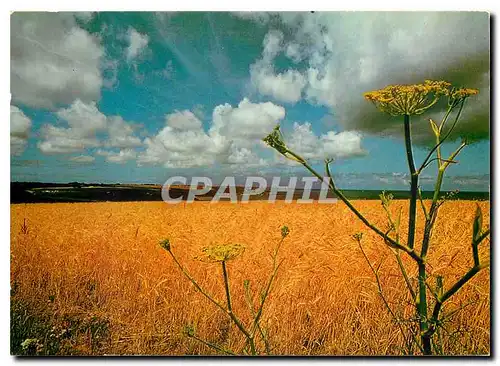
{"points": [[408, 100], [221, 253], [458, 95]]}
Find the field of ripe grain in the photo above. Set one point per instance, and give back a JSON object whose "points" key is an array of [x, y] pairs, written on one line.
{"points": [[90, 278]]}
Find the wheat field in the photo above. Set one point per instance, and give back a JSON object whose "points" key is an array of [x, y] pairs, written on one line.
{"points": [[91, 279]]}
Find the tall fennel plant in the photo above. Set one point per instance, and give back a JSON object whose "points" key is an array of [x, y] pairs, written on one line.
{"points": [[222, 254], [407, 101]]}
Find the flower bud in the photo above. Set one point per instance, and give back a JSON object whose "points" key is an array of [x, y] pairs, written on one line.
{"points": [[284, 232], [165, 244], [358, 237]]}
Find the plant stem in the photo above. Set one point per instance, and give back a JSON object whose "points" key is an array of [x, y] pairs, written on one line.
{"points": [[229, 310], [198, 287], [414, 183], [429, 223], [450, 160], [264, 297], [422, 204], [481, 237], [440, 140], [391, 242], [226, 286], [458, 285], [384, 300], [426, 331], [249, 301], [233, 316], [396, 251], [453, 290], [405, 274], [422, 308]]}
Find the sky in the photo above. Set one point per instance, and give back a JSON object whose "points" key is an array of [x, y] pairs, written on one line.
{"points": [[140, 97]]}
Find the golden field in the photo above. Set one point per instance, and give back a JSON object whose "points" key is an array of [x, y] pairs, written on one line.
{"points": [[90, 278]]}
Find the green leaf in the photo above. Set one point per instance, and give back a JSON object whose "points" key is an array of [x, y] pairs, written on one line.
{"points": [[398, 219], [478, 224], [434, 127]]}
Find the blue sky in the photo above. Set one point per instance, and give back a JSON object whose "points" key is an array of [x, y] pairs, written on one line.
{"points": [[140, 97]]}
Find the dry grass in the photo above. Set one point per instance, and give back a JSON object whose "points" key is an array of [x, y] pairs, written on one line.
{"points": [[100, 263]]}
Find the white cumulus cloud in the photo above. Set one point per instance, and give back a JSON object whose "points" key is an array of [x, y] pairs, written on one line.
{"points": [[119, 157], [284, 87], [183, 120], [121, 133], [137, 44], [234, 138], [86, 128], [233, 132], [20, 126], [53, 60], [245, 157], [345, 54], [249, 121], [330, 145], [84, 121], [174, 147]]}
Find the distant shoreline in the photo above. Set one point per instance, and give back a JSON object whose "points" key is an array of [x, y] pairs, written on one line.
{"points": [[33, 192]]}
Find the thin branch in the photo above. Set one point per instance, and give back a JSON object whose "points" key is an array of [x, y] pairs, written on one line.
{"points": [[384, 300], [388, 240], [198, 287], [265, 296], [233, 316], [429, 223], [405, 275], [250, 304], [396, 251], [424, 209], [461, 282], [432, 291], [453, 290], [211, 345], [439, 159], [455, 311], [248, 297], [482, 237], [454, 155], [445, 137]]}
